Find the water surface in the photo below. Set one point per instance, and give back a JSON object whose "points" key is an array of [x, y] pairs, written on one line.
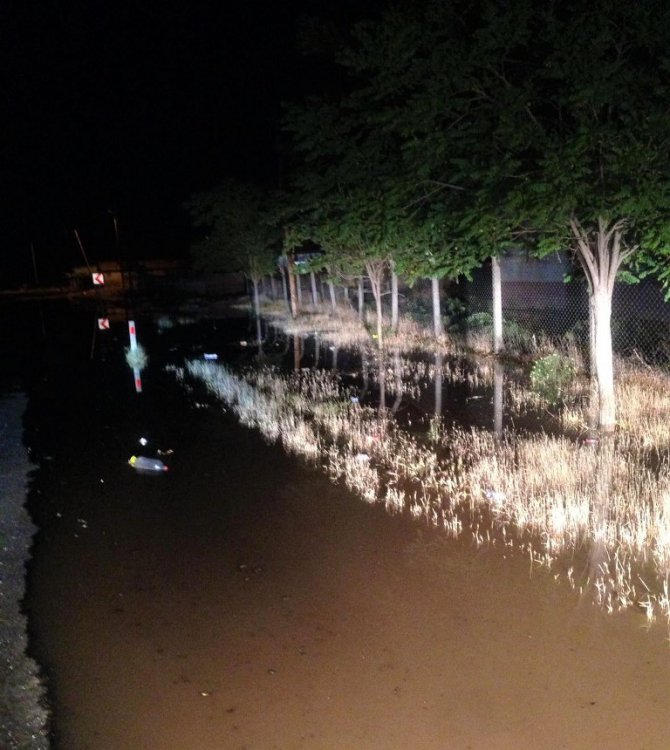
{"points": [[241, 600]]}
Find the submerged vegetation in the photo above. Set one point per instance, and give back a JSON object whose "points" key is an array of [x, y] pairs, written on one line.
{"points": [[593, 511]]}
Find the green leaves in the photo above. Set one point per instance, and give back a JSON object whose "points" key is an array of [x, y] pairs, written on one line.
{"points": [[472, 127], [240, 234]]}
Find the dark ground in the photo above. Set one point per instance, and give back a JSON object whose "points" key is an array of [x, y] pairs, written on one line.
{"points": [[23, 715]]}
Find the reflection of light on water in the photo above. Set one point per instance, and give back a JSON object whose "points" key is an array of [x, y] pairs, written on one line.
{"points": [[548, 496], [137, 358]]}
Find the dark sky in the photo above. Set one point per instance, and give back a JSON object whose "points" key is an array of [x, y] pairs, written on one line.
{"points": [[132, 108]]}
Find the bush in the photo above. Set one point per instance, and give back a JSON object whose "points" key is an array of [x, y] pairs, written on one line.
{"points": [[551, 376]]}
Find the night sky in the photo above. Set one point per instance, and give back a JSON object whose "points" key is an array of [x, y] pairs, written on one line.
{"points": [[131, 108]]}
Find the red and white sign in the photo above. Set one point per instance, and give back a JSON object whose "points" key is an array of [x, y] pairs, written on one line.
{"points": [[98, 279], [103, 324]]}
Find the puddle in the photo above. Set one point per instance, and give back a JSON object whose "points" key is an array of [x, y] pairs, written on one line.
{"points": [[243, 600]]}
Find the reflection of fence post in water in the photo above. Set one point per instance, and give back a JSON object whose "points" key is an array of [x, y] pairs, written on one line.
{"points": [[365, 375], [382, 383], [397, 371], [334, 366], [438, 383], [317, 350], [498, 400], [297, 351]]}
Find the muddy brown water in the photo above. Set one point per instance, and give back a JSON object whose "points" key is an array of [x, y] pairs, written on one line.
{"points": [[241, 600]]}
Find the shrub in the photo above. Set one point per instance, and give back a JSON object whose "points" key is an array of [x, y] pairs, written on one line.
{"points": [[551, 376]]}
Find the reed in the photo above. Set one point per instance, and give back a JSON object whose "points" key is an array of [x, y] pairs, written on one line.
{"points": [[596, 515]]}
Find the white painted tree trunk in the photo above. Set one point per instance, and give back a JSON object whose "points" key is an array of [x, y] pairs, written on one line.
{"points": [[333, 298], [375, 270], [256, 297], [315, 294], [293, 288], [601, 253], [284, 286], [438, 327], [496, 283], [298, 285], [257, 312], [394, 299], [602, 309]]}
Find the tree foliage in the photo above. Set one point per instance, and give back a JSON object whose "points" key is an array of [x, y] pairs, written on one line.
{"points": [[240, 232]]}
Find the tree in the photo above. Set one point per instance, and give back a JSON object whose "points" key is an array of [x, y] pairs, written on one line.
{"points": [[544, 124], [240, 233], [596, 161]]}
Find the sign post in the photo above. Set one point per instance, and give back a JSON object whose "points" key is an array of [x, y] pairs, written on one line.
{"points": [[132, 331]]}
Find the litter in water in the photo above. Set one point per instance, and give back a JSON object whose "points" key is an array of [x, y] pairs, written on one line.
{"points": [[495, 497], [211, 356], [143, 463]]}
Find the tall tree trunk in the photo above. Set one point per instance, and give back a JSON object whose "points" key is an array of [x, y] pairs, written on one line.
{"points": [[256, 297], [293, 291], [375, 270], [333, 298], [298, 286], [381, 377], [315, 294], [592, 336], [601, 254], [394, 298], [602, 307], [345, 294], [438, 328], [361, 297], [273, 287], [496, 283], [257, 311], [284, 286], [397, 372]]}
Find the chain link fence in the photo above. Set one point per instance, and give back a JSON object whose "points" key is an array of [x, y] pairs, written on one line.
{"points": [[537, 301]]}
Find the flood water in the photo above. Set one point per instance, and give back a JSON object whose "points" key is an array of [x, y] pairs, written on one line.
{"points": [[242, 600]]}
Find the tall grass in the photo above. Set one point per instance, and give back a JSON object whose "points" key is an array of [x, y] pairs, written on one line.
{"points": [[598, 515]]}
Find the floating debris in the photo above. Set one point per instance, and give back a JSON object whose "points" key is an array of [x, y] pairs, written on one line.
{"points": [[496, 497], [143, 463]]}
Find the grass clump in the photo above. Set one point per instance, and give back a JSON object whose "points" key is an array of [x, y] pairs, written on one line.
{"points": [[551, 377]]}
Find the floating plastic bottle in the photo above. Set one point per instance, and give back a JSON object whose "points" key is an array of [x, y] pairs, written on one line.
{"points": [[142, 463]]}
